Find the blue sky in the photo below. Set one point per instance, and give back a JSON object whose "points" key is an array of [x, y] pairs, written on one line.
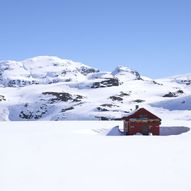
{"points": [[151, 36]]}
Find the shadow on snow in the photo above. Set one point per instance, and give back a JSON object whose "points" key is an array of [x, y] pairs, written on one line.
{"points": [[164, 131], [175, 130], [115, 131]]}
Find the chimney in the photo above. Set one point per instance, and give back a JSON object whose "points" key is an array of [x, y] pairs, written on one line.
{"points": [[136, 107]]}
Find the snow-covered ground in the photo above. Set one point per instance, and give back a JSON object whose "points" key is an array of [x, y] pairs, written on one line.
{"points": [[79, 156]]}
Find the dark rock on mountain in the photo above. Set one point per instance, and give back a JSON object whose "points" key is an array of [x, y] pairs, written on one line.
{"points": [[174, 94], [103, 118], [106, 83], [102, 109], [31, 114], [2, 98], [155, 82], [58, 96], [180, 91], [170, 94], [67, 109], [85, 71], [122, 94], [116, 98], [109, 105], [63, 96], [139, 101], [119, 97]]}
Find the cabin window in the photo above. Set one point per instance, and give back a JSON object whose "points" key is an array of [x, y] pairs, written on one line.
{"points": [[143, 116]]}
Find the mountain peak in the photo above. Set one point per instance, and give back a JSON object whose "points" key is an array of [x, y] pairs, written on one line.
{"points": [[124, 73], [42, 70], [43, 58]]}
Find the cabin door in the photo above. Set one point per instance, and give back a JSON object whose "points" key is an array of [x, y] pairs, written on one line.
{"points": [[145, 130]]}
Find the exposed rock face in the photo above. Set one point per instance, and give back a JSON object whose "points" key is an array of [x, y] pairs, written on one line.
{"points": [[20, 83], [120, 96], [63, 96], [170, 94], [123, 94], [106, 83], [116, 98], [155, 82], [138, 101], [102, 109], [85, 70], [33, 113], [67, 109], [180, 91], [174, 94], [103, 118], [107, 105], [2, 98]]}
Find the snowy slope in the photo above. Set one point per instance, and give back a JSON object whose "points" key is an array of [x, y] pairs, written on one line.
{"points": [[50, 88], [181, 79]]}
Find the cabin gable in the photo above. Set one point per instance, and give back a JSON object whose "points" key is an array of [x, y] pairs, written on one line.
{"points": [[141, 113]]}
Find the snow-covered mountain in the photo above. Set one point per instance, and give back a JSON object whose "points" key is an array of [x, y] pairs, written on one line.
{"points": [[51, 88], [42, 70], [181, 79]]}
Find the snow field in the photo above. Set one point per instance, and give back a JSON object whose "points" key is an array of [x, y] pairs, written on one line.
{"points": [[76, 156]]}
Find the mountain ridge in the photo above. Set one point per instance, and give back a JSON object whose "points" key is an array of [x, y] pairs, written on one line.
{"points": [[51, 69], [51, 88]]}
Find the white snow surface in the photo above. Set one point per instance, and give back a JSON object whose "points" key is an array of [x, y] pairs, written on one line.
{"points": [[79, 156]]}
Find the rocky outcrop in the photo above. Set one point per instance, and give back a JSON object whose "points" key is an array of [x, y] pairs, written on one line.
{"points": [[106, 83], [116, 98], [138, 100], [62, 96], [2, 98], [33, 113], [85, 70], [174, 94], [120, 96]]}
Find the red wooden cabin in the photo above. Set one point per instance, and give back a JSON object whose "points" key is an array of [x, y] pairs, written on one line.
{"points": [[141, 121]]}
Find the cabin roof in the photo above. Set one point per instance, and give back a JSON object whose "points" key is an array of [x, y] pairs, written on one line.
{"points": [[140, 110]]}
